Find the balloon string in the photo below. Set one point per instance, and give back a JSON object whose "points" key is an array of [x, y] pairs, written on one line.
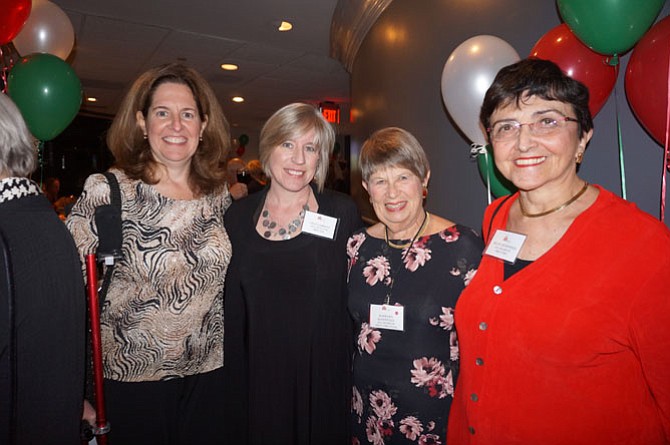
{"points": [[488, 175], [666, 160], [4, 69], [476, 150], [622, 167], [479, 150], [40, 160]]}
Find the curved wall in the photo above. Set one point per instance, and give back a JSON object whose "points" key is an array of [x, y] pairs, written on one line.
{"points": [[396, 82]]}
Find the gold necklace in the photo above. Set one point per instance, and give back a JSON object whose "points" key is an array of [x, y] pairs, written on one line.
{"points": [[424, 224], [555, 209]]}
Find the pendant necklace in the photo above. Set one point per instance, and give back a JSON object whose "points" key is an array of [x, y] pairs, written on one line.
{"points": [[284, 233], [555, 209], [394, 273]]}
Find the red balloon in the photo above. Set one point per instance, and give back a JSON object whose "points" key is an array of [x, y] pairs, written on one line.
{"points": [[646, 79], [578, 61], [13, 17], [240, 150]]}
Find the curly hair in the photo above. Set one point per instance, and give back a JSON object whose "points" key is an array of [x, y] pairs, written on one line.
{"points": [[541, 78]]}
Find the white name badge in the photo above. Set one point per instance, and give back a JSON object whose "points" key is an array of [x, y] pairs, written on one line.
{"points": [[505, 245], [320, 225], [386, 316]]}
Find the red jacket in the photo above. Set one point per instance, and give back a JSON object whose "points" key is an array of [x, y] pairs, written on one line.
{"points": [[574, 348]]}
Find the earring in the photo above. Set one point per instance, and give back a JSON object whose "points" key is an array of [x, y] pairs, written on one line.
{"points": [[425, 192], [579, 157], [145, 137], [200, 138]]}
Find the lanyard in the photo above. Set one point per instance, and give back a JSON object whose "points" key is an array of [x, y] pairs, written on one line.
{"points": [[394, 273]]}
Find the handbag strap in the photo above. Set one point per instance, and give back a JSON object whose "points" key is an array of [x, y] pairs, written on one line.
{"points": [[115, 201], [114, 190]]}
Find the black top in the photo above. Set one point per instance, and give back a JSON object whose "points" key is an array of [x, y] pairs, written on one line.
{"points": [[50, 318], [287, 332], [512, 268]]}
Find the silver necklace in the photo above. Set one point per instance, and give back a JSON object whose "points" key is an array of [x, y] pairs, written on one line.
{"points": [[272, 229]]}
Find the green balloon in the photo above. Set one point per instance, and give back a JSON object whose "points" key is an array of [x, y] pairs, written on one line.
{"points": [[244, 139], [48, 93], [500, 186], [609, 26]]}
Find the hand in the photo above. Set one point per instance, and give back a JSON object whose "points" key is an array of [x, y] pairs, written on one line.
{"points": [[238, 190], [89, 414]]}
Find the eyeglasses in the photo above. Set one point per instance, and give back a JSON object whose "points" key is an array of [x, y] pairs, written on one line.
{"points": [[545, 125]]}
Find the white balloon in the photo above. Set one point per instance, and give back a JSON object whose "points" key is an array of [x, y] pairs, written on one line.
{"points": [[47, 30], [468, 73]]}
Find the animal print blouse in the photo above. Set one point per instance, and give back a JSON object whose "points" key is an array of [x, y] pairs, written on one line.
{"points": [[163, 315]]}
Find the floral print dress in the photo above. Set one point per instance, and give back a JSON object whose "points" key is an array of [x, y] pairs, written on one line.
{"points": [[404, 380]]}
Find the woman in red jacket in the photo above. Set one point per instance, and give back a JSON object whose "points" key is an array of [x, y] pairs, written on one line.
{"points": [[565, 330]]}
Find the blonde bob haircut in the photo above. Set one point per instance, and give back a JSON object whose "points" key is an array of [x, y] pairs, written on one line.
{"points": [[289, 123], [393, 147]]}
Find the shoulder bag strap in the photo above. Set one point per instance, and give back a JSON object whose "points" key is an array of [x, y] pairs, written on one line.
{"points": [[115, 202]]}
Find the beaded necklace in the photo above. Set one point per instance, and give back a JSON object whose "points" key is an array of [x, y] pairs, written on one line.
{"points": [[272, 229], [284, 233]]}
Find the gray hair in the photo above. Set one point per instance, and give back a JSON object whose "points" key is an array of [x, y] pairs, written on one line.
{"points": [[393, 147], [290, 122], [18, 156]]}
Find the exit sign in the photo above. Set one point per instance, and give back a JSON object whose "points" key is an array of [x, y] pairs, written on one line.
{"points": [[330, 111]]}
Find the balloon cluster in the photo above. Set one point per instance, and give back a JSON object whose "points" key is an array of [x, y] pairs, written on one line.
{"points": [[44, 87], [614, 27], [243, 141], [586, 47]]}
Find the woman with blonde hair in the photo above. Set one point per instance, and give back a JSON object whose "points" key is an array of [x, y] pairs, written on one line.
{"points": [[288, 334]]}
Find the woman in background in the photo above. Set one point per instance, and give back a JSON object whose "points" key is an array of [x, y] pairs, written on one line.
{"points": [[288, 334], [162, 321], [42, 344], [258, 179], [406, 273]]}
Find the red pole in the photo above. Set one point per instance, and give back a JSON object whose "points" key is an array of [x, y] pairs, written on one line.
{"points": [[102, 427]]}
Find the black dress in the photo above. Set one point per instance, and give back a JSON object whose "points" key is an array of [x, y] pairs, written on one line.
{"points": [[404, 380], [50, 318], [288, 336]]}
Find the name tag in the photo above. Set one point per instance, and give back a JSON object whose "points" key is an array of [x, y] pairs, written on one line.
{"points": [[385, 316], [320, 225], [505, 245]]}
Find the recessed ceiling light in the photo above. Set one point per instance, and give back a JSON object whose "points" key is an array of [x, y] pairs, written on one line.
{"points": [[238, 99], [229, 66], [285, 26], [92, 99]]}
